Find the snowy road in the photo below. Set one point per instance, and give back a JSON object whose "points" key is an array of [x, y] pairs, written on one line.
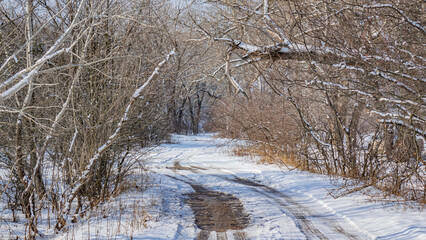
{"points": [[208, 194]]}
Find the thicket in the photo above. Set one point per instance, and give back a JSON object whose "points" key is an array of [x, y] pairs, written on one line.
{"points": [[329, 86]]}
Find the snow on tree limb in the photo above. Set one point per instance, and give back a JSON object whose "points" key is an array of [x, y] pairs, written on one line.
{"points": [[28, 74], [58, 117], [232, 79], [14, 55], [298, 52], [377, 6], [111, 139], [391, 6], [267, 16], [404, 124], [306, 125], [323, 55]]}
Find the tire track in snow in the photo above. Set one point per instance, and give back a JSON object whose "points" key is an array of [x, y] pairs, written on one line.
{"points": [[215, 212], [289, 206], [301, 215], [305, 226], [296, 211]]}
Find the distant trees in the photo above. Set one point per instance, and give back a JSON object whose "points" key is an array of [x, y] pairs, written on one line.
{"points": [[191, 87], [353, 74]]}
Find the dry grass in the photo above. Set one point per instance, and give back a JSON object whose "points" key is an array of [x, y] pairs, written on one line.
{"points": [[270, 155]]}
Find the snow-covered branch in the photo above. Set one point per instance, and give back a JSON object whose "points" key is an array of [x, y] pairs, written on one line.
{"points": [[298, 52], [232, 79], [28, 74], [271, 22], [306, 125], [59, 116], [15, 54], [404, 124], [111, 139], [393, 7]]}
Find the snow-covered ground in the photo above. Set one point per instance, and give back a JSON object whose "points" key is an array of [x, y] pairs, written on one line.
{"points": [[281, 204]]}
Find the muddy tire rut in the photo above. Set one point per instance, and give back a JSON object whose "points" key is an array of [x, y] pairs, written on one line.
{"points": [[214, 211], [217, 211]]}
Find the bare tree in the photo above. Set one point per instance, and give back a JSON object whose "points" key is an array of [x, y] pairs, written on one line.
{"points": [[76, 107], [352, 71]]}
